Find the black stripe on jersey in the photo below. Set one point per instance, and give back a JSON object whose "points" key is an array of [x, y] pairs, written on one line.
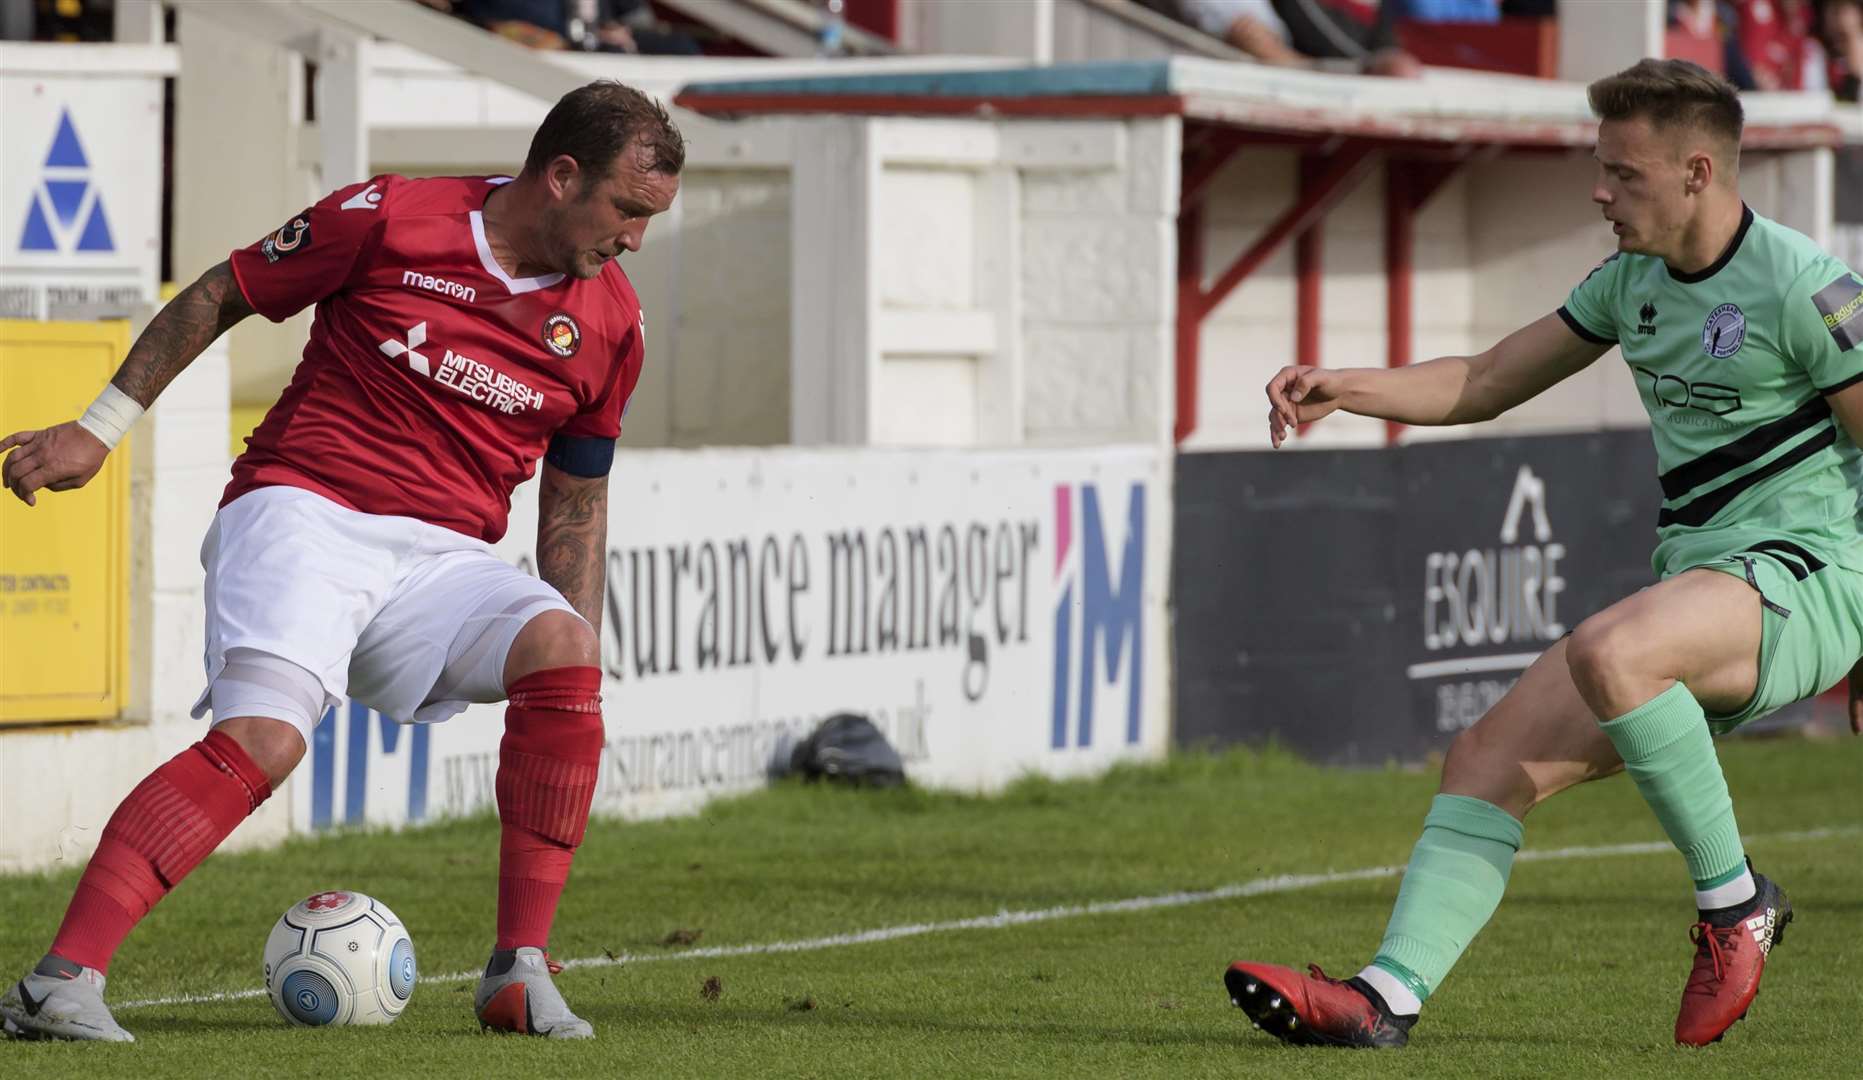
{"points": [[1702, 510], [1807, 565], [1748, 448], [1845, 385], [1571, 320]]}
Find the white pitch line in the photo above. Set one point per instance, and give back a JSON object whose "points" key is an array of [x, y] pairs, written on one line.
{"points": [[1003, 919], [1469, 665]]}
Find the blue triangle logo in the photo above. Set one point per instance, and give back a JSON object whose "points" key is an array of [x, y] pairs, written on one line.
{"points": [[67, 152], [97, 230], [64, 198], [67, 196], [38, 233]]}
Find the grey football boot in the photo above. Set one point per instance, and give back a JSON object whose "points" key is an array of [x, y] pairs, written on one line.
{"points": [[60, 1000], [516, 995]]}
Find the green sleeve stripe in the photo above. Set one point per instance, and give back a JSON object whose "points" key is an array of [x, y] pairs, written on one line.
{"points": [[1702, 510], [1579, 329], [1745, 450]]}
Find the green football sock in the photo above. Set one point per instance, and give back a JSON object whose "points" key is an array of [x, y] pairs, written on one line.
{"points": [[1457, 873], [1668, 752]]}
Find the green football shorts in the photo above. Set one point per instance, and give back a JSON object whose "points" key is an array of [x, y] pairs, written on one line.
{"points": [[1813, 633]]}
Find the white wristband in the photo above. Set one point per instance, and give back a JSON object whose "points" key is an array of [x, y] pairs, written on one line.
{"points": [[110, 416]]}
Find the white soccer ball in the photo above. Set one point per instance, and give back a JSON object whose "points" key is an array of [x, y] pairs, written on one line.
{"points": [[339, 958]]}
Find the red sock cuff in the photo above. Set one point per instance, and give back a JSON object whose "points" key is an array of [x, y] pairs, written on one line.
{"points": [[231, 758], [556, 714], [569, 687]]}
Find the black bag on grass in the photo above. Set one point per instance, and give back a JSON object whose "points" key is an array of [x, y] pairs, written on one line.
{"points": [[847, 747]]}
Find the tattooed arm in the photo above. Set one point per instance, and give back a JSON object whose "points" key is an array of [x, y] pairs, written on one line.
{"points": [[66, 456], [572, 539]]}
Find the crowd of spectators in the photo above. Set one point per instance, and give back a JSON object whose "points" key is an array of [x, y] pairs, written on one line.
{"points": [[611, 26], [1779, 44], [1757, 44]]}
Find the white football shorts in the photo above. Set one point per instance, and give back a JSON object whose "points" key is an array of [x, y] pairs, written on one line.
{"points": [[410, 619]]}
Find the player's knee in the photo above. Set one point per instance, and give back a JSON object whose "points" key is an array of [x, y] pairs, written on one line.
{"points": [[268, 705], [274, 746], [1601, 651], [554, 639]]}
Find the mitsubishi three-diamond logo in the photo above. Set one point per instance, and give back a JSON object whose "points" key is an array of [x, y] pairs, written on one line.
{"points": [[416, 338], [66, 213]]}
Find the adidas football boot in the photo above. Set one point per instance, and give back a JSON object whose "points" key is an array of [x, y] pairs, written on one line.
{"points": [[1313, 1010]]}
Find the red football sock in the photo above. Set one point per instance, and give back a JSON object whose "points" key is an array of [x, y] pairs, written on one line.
{"points": [[167, 825], [547, 765]]}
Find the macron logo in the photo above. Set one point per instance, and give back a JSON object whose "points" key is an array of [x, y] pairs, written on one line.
{"points": [[416, 338], [439, 285]]}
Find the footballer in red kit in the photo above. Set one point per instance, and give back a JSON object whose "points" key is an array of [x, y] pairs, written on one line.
{"points": [[463, 366], [466, 329]]}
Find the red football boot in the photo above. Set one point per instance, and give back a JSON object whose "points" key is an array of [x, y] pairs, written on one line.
{"points": [[1730, 954], [1313, 1010]]}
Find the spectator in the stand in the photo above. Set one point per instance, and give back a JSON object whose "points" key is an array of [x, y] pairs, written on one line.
{"points": [[1843, 40], [1776, 36], [1302, 33], [622, 26], [1715, 21]]}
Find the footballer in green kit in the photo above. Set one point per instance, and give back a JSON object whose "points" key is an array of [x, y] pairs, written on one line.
{"points": [[1746, 342]]}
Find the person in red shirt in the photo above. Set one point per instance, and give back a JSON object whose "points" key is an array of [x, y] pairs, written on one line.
{"points": [[1776, 38], [466, 328]]}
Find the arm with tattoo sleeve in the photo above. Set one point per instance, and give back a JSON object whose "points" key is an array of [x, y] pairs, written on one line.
{"points": [[572, 539], [66, 456]]}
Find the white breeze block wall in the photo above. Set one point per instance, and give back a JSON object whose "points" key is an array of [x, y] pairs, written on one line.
{"points": [[717, 346], [63, 783], [1099, 271], [985, 283]]}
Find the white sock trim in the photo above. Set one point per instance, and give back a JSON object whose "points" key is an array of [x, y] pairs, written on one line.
{"points": [[111, 416], [1396, 995], [1737, 891]]}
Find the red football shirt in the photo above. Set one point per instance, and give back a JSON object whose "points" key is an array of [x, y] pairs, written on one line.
{"points": [[432, 381]]}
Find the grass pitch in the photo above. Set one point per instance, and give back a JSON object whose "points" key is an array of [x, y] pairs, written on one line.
{"points": [[1579, 973]]}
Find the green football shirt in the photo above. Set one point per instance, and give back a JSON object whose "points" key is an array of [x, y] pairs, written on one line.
{"points": [[1733, 363]]}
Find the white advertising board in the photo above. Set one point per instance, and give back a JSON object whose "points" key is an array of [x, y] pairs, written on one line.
{"points": [[80, 179], [996, 613]]}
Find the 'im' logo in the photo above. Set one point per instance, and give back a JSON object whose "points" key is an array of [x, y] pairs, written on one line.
{"points": [[66, 212], [1110, 612], [355, 741]]}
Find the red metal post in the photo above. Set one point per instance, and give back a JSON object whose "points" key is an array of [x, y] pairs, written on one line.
{"points": [[1341, 175]]}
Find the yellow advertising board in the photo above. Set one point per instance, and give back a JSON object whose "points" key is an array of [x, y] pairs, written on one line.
{"points": [[64, 564]]}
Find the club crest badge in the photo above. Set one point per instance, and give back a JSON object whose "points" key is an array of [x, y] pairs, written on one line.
{"points": [[1724, 332], [561, 335]]}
